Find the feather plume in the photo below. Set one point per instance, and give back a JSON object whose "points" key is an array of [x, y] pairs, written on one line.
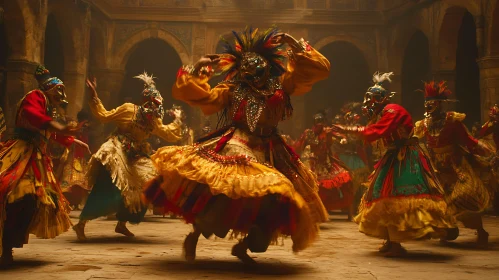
{"points": [[147, 79], [379, 78], [433, 90]]}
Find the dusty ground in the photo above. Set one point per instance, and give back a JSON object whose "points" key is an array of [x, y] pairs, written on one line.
{"points": [[341, 253]]}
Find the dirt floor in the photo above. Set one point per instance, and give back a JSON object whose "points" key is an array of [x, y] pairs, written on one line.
{"points": [[155, 253]]}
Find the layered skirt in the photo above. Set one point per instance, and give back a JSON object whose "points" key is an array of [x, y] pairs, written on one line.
{"points": [[31, 200], [404, 200], [117, 180], [72, 174], [234, 182], [465, 191]]}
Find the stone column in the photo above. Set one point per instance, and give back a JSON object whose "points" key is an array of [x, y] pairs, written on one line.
{"points": [[489, 83], [20, 79]]}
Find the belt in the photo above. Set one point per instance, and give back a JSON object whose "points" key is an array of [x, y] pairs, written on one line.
{"points": [[260, 131], [397, 144]]}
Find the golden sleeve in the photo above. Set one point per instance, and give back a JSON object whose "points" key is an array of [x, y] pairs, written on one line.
{"points": [[196, 92], [171, 132], [419, 129], [304, 70], [120, 113]]}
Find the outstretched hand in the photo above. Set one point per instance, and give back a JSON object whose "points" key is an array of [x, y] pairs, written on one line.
{"points": [[92, 85], [207, 60], [83, 144], [284, 38]]}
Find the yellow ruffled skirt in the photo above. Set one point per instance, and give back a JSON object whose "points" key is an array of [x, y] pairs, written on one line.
{"points": [[239, 183]]}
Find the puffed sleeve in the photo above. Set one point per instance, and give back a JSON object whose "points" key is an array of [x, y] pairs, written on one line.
{"points": [[171, 132], [34, 109], [419, 130], [195, 91], [386, 125], [122, 112], [304, 70]]}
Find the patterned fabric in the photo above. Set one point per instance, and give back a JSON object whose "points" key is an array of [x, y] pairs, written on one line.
{"points": [[404, 200], [234, 179], [26, 169]]}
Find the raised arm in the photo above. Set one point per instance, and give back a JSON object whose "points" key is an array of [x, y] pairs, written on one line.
{"points": [[306, 66], [192, 87], [99, 111], [171, 132]]}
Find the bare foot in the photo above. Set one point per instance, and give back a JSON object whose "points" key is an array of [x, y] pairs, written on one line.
{"points": [[80, 231], [190, 244], [240, 251], [385, 247], [122, 229], [396, 251]]}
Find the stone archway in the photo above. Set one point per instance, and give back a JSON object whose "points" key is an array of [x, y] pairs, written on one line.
{"points": [[123, 53], [349, 78], [457, 61], [415, 69], [54, 48]]}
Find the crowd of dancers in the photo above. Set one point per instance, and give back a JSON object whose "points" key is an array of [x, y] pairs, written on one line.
{"points": [[414, 181]]}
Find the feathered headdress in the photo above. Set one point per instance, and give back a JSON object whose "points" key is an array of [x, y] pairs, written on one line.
{"points": [[381, 83], [252, 40], [150, 93], [437, 91]]}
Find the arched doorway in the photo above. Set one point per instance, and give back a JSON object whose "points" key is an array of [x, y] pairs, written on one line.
{"points": [[467, 71], [156, 57], [348, 80], [54, 55], [415, 69]]}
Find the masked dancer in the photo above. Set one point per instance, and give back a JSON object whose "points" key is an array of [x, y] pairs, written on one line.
{"points": [[404, 200], [74, 167], [121, 166], [244, 178], [31, 200], [450, 146], [335, 181], [353, 154]]}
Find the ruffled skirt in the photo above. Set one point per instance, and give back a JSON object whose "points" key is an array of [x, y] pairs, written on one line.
{"points": [[25, 171], [119, 185], [241, 184], [404, 200]]}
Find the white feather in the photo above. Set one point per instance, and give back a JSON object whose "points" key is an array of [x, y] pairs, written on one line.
{"points": [[146, 78], [379, 77]]}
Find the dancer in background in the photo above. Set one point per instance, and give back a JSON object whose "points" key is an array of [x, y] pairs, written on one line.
{"points": [[354, 155], [450, 146], [31, 200], [244, 178], [74, 167], [404, 200], [335, 181], [491, 127], [121, 166]]}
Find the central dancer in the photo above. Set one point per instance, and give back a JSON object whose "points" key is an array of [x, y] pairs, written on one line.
{"points": [[243, 178]]}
